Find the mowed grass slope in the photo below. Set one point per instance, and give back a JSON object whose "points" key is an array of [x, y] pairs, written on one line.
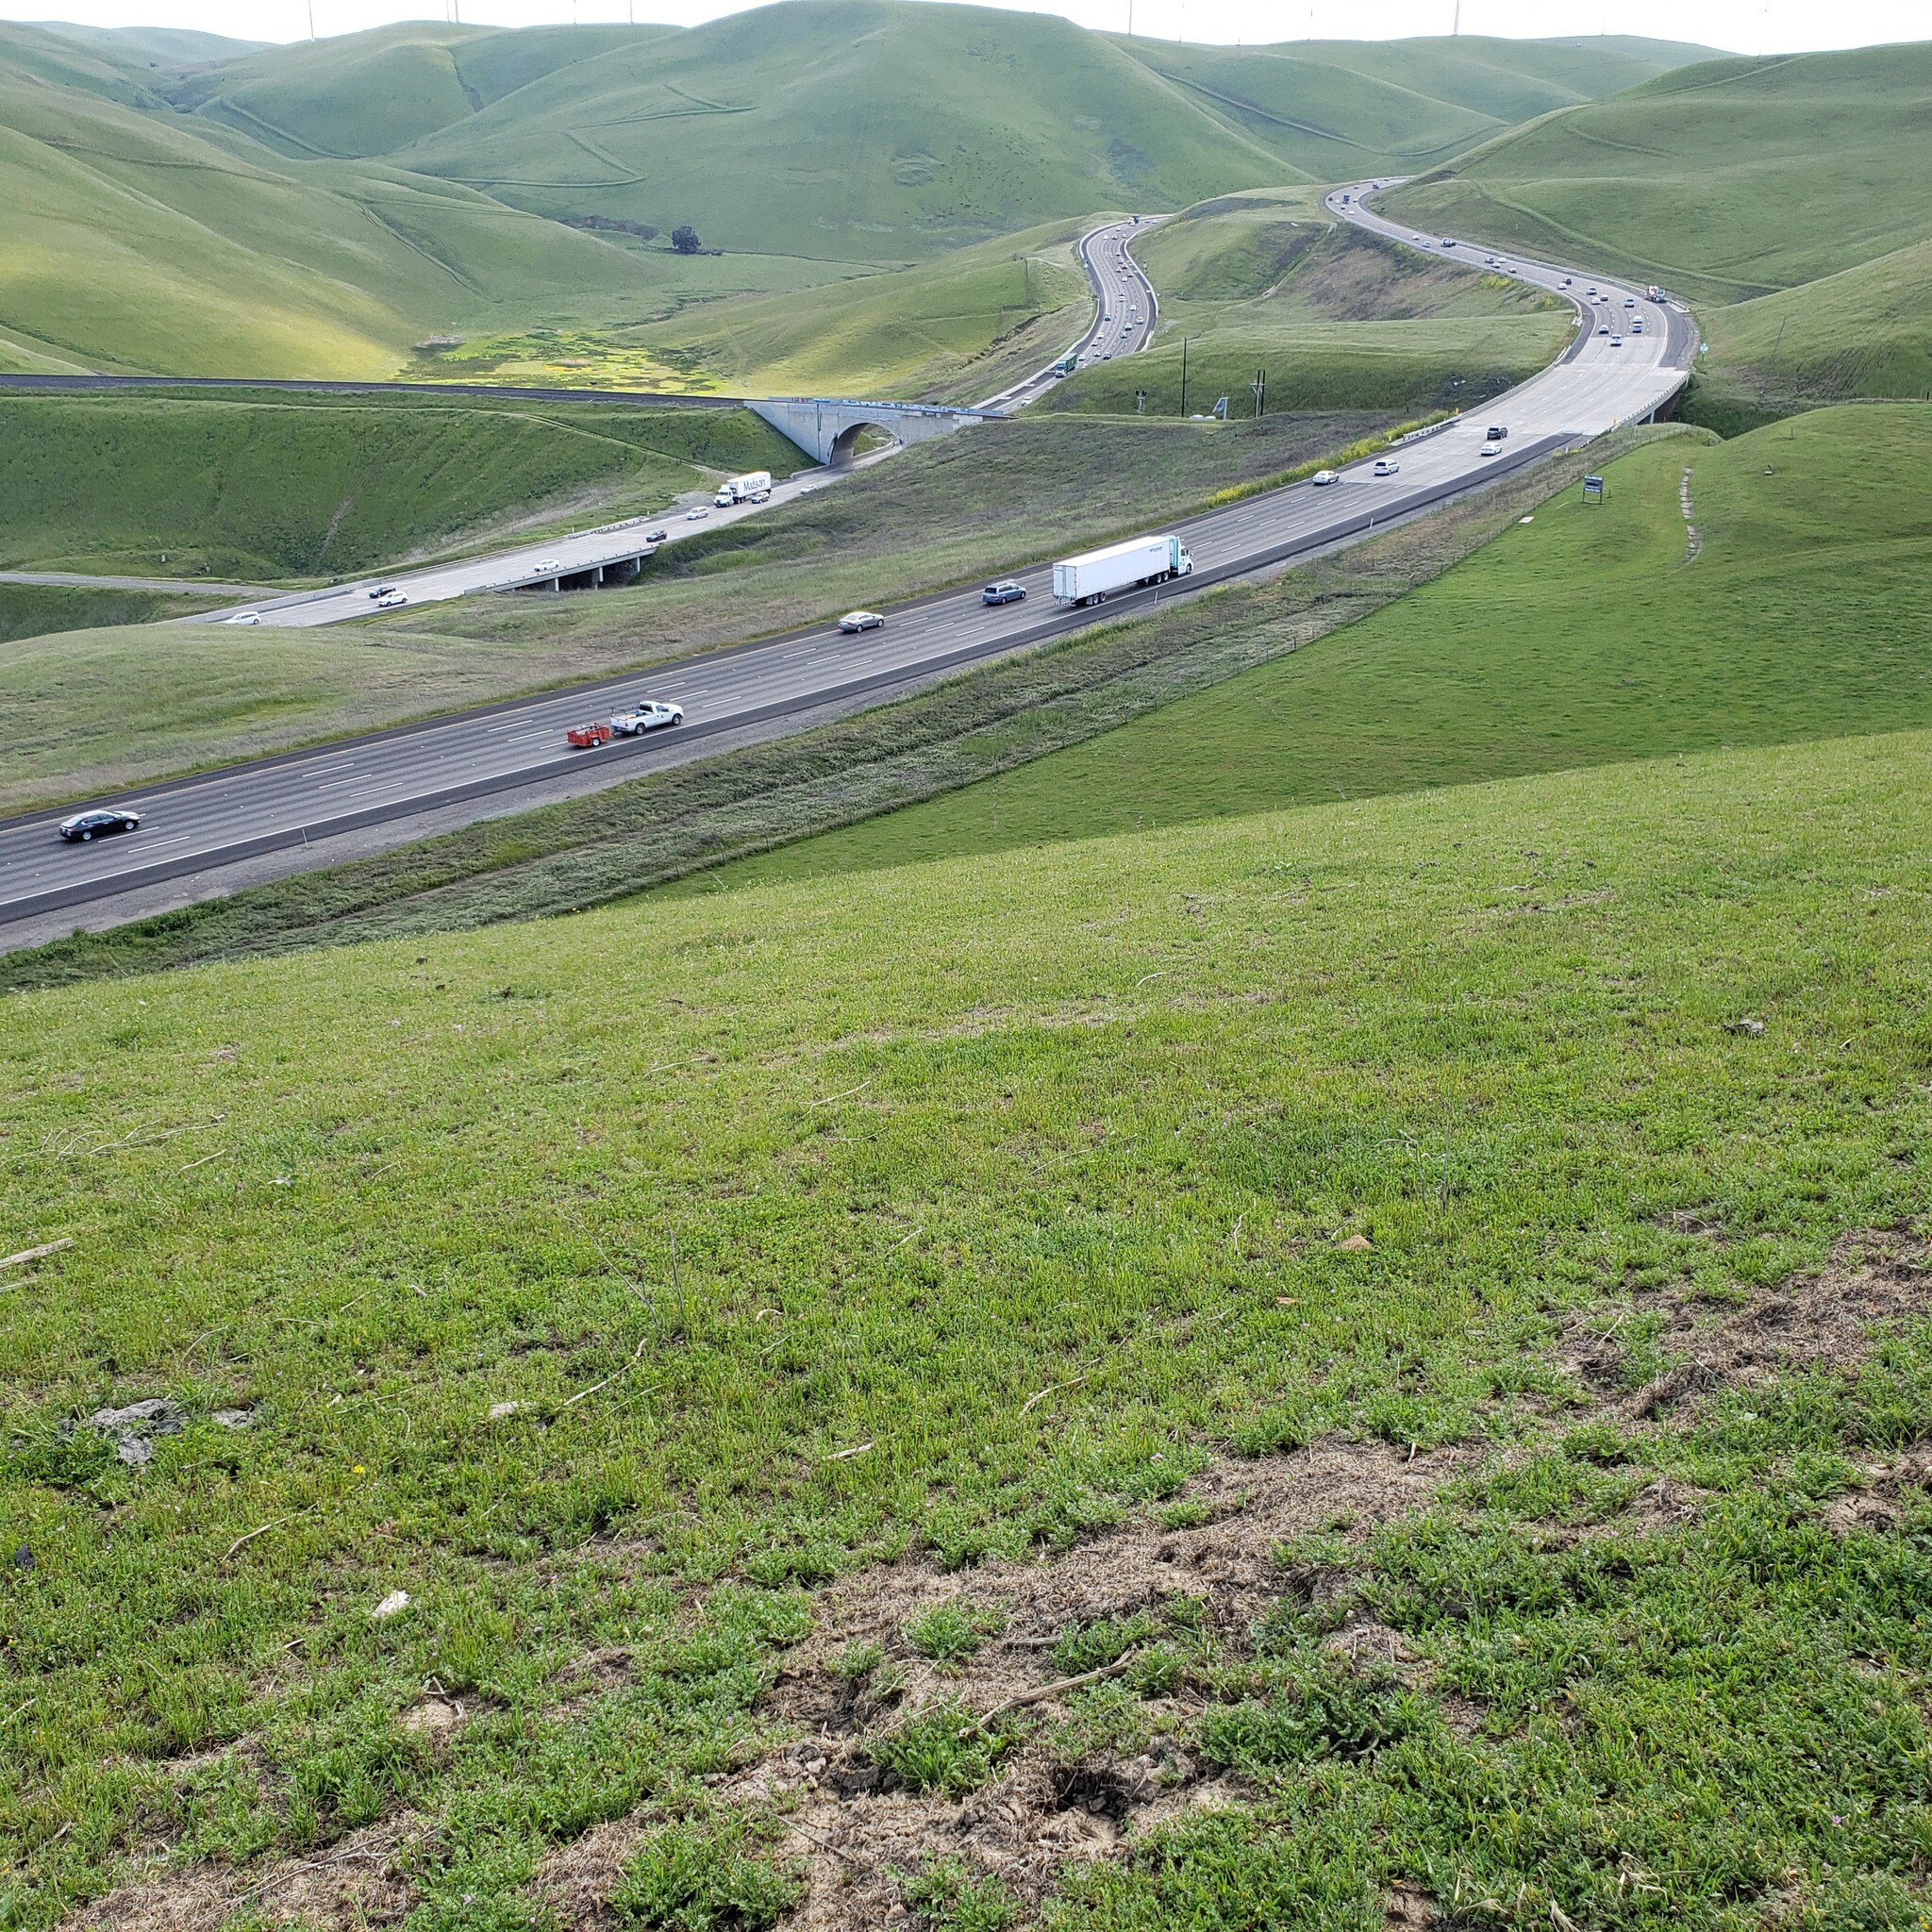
{"points": [[1005, 1192], [1268, 281], [252, 485], [1588, 636]]}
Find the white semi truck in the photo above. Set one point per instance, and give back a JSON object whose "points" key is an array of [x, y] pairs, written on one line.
{"points": [[754, 487], [1098, 574]]}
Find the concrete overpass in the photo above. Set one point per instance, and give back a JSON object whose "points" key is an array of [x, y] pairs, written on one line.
{"points": [[828, 429]]}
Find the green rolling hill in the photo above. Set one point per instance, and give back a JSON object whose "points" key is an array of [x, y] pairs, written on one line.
{"points": [[193, 205], [1789, 198]]}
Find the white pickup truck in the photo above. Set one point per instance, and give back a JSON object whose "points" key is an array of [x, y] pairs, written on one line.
{"points": [[647, 716]]}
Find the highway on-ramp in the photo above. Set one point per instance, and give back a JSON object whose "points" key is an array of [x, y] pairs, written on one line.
{"points": [[198, 824]]}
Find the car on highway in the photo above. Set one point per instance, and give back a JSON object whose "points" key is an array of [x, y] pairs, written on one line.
{"points": [[1387, 466], [380, 590], [1605, 329], [648, 714], [698, 515], [1323, 478], [243, 617], [391, 600], [1616, 341], [102, 823], [1566, 281], [1629, 301], [1496, 432], [657, 536], [1591, 291], [855, 621], [1005, 592], [1490, 449], [1636, 326]]}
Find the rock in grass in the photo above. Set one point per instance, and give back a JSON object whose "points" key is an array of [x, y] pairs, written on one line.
{"points": [[393, 1605], [1751, 1027]]}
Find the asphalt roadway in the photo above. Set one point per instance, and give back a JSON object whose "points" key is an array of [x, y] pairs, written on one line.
{"points": [[198, 826]]}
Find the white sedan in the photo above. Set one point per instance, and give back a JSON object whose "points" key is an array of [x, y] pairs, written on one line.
{"points": [[1323, 478], [855, 621], [243, 617], [391, 600]]}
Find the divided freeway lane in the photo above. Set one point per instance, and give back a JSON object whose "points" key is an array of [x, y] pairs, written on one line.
{"points": [[1120, 289], [194, 825]]}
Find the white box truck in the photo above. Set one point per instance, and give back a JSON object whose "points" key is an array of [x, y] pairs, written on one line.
{"points": [[753, 487], [1098, 574]]}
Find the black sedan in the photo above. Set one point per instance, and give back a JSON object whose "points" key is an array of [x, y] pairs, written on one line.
{"points": [[99, 823]]}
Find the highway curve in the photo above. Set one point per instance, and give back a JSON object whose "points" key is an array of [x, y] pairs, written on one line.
{"points": [[198, 824]]}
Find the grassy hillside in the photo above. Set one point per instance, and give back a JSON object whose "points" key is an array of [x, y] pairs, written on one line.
{"points": [[1798, 190], [956, 509], [1587, 635], [1335, 110], [1348, 1276], [37, 610], [237, 486], [326, 207], [1266, 280], [961, 326]]}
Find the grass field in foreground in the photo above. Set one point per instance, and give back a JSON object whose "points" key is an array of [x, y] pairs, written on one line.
{"points": [[1584, 637], [1006, 1193], [984, 501], [250, 486]]}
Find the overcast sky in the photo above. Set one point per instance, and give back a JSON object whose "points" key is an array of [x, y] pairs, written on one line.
{"points": [[1747, 26]]}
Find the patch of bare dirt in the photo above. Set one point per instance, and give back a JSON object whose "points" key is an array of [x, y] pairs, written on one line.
{"points": [[858, 1836], [1874, 1278], [1872, 1503], [351, 1885]]}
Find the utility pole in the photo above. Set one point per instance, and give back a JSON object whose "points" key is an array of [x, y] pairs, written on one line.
{"points": [[1184, 375]]}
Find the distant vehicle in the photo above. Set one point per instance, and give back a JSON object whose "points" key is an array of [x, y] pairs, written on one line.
{"points": [[754, 487], [698, 515], [381, 590], [243, 617], [390, 600], [1447, 244], [1616, 341], [102, 823], [1495, 432], [1605, 329], [588, 737], [1096, 574], [1387, 466], [1489, 449], [647, 715], [658, 537], [1066, 365], [1005, 592], [1566, 281], [855, 621], [1323, 478], [1345, 199], [1629, 301], [1591, 291], [1636, 326], [1654, 293], [548, 563]]}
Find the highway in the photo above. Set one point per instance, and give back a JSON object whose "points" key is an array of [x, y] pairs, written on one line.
{"points": [[1122, 293], [195, 824]]}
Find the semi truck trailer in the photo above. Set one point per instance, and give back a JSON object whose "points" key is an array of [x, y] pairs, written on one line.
{"points": [[1098, 574], [754, 487]]}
